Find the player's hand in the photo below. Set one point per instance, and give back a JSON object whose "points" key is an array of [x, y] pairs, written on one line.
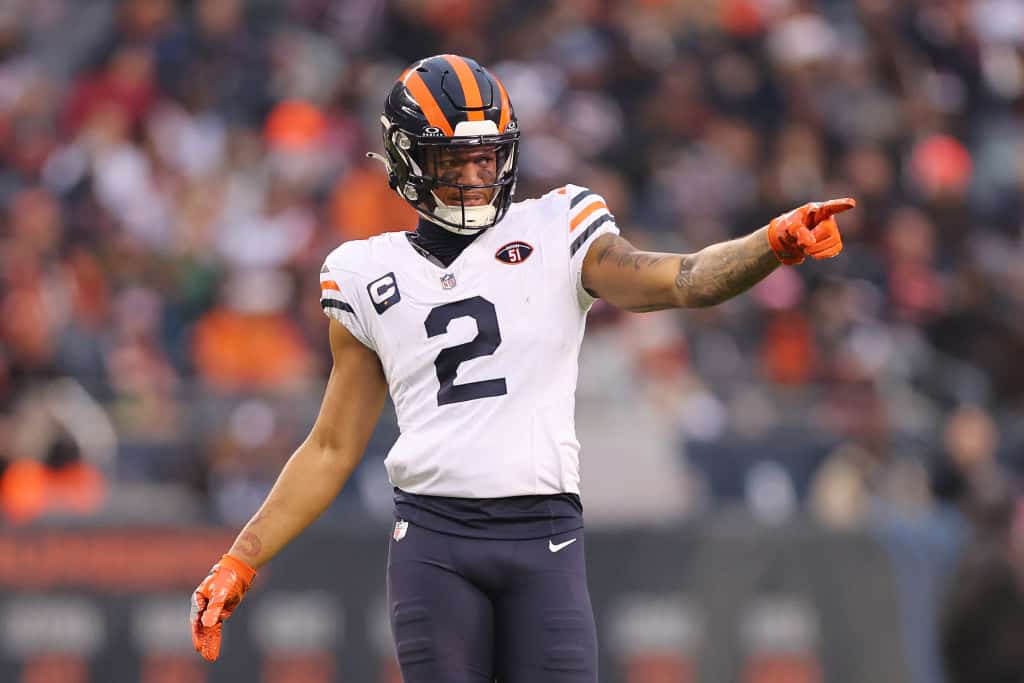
{"points": [[808, 230], [214, 601]]}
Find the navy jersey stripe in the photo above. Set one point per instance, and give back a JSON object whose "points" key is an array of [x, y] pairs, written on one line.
{"points": [[334, 303], [512, 518], [579, 198], [581, 240]]}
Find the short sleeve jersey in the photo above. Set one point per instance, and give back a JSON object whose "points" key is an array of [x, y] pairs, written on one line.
{"points": [[481, 357]]}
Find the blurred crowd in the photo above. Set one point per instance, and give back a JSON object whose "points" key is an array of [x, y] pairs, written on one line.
{"points": [[172, 174]]}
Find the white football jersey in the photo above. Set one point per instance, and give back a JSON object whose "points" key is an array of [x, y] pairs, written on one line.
{"points": [[481, 357]]}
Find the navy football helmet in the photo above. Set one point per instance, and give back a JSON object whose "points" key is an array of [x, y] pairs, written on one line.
{"points": [[447, 101]]}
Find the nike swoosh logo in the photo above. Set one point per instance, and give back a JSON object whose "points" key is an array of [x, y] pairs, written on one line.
{"points": [[555, 547]]}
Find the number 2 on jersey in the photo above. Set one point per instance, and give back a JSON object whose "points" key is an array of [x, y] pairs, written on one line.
{"points": [[487, 339]]}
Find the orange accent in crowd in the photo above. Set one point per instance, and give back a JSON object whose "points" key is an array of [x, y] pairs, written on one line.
{"points": [[591, 208], [238, 351], [421, 93], [29, 489], [295, 125], [362, 205], [788, 350], [470, 88]]}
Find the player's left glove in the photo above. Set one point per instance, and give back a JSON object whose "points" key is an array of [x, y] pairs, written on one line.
{"points": [[808, 230], [214, 601]]}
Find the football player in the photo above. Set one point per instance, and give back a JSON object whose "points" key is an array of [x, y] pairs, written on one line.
{"points": [[473, 323]]}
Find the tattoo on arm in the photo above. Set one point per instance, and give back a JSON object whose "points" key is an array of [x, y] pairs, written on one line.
{"points": [[723, 270], [708, 277], [249, 544], [627, 257]]}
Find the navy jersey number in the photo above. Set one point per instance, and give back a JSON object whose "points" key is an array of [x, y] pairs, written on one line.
{"points": [[487, 339]]}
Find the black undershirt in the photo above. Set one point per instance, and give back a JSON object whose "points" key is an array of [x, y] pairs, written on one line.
{"points": [[518, 517], [434, 241]]}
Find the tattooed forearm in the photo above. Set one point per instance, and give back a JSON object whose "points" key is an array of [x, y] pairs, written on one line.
{"points": [[624, 256], [723, 270], [639, 281]]}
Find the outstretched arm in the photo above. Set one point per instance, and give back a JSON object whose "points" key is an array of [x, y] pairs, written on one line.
{"points": [[635, 280]]}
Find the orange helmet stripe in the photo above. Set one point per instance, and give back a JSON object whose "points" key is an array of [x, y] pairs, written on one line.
{"points": [[470, 88], [421, 93], [582, 215], [506, 107]]}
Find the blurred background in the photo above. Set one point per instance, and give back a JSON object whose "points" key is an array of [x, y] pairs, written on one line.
{"points": [[818, 480]]}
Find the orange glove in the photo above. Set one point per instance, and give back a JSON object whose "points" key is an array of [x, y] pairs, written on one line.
{"points": [[808, 230], [214, 600]]}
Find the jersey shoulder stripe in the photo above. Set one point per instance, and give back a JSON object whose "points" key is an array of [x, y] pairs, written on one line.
{"points": [[586, 212], [335, 303], [577, 198], [590, 230], [342, 278], [331, 296]]}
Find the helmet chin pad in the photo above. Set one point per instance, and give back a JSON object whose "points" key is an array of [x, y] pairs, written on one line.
{"points": [[472, 218]]}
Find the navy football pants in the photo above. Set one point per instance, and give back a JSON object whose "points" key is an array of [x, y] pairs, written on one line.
{"points": [[467, 610]]}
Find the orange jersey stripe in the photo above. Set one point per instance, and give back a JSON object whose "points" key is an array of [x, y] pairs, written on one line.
{"points": [[330, 284], [470, 88], [591, 208], [561, 190], [421, 93], [506, 107]]}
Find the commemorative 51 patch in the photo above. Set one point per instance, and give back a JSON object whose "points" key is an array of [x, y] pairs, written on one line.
{"points": [[514, 253]]}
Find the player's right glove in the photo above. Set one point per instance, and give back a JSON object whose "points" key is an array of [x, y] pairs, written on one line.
{"points": [[214, 601], [808, 230]]}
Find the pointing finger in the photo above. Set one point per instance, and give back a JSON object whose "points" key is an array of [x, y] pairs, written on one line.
{"points": [[823, 210]]}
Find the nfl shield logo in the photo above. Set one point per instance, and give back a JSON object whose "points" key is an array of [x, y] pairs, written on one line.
{"points": [[447, 280], [401, 526]]}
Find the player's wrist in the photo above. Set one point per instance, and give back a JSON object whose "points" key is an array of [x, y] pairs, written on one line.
{"points": [[244, 571]]}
